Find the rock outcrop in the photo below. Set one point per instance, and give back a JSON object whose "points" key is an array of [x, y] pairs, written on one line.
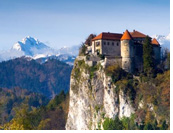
{"points": [[93, 97]]}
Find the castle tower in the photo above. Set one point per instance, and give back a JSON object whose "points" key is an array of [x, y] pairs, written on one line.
{"points": [[127, 52]]}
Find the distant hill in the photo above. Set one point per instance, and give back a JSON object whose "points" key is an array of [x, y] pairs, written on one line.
{"points": [[48, 78]]}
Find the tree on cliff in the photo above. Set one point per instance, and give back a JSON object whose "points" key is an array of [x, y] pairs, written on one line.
{"points": [[148, 56], [82, 50], [89, 39]]}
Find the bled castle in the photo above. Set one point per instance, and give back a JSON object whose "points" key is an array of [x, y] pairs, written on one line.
{"points": [[125, 49]]}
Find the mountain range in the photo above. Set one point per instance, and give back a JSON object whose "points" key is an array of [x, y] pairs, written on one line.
{"points": [[34, 49]]}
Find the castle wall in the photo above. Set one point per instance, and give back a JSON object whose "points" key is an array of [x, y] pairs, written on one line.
{"points": [[156, 51], [93, 47], [138, 57], [109, 61], [139, 40], [138, 63], [111, 47], [96, 46]]}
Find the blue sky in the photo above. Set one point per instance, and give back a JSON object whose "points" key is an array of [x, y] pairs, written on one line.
{"points": [[68, 22]]}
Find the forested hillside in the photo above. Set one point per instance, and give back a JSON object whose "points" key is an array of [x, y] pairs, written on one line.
{"points": [[29, 115], [15, 99], [49, 78]]}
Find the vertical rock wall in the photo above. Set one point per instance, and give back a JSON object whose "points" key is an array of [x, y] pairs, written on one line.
{"points": [[92, 98]]}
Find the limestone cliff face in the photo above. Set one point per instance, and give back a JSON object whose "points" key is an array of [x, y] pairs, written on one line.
{"points": [[93, 97]]}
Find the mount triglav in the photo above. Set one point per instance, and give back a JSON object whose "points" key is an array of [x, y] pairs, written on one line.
{"points": [[34, 49]]}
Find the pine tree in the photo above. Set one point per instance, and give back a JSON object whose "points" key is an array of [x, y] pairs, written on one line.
{"points": [[148, 56]]}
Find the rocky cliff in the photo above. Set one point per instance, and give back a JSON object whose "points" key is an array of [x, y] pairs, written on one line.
{"points": [[93, 97]]}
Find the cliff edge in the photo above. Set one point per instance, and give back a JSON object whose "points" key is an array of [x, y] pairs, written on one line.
{"points": [[94, 96]]}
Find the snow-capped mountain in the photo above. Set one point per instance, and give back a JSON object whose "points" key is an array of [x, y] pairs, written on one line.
{"points": [[34, 49], [163, 40]]}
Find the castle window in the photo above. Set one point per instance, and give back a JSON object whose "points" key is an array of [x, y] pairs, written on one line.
{"points": [[112, 43], [104, 43], [97, 43], [117, 44], [108, 43]]}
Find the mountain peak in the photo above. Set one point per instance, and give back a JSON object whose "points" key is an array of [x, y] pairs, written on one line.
{"points": [[30, 46], [30, 40]]}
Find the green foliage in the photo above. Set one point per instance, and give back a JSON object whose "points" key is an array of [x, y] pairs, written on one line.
{"points": [[82, 50], [103, 115], [15, 98], [76, 72], [56, 101], [129, 123], [152, 126], [43, 124], [117, 73], [92, 70], [97, 108], [129, 87], [80, 65], [148, 126], [148, 63], [43, 118], [110, 124], [24, 118], [164, 126]]}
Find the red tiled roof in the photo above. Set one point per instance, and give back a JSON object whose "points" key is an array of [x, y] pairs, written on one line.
{"points": [[117, 36], [126, 36], [155, 42], [137, 34], [108, 36]]}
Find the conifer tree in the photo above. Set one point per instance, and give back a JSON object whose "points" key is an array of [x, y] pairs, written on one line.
{"points": [[148, 56]]}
